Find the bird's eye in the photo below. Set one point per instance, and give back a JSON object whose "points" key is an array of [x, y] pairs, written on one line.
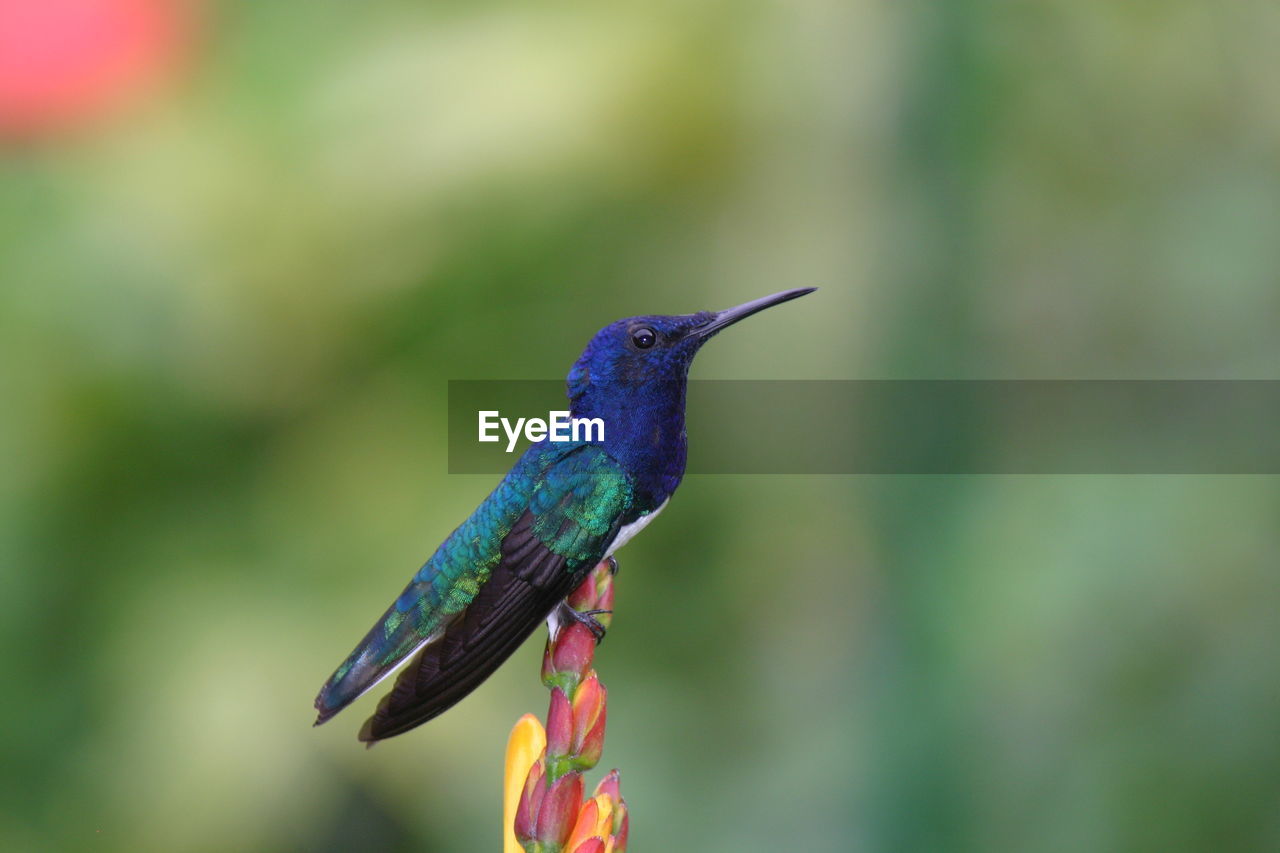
{"points": [[643, 338]]}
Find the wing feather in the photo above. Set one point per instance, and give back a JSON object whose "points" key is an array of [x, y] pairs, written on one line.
{"points": [[487, 588], [534, 574]]}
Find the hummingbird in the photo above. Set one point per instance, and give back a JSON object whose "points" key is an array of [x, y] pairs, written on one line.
{"points": [[563, 508]]}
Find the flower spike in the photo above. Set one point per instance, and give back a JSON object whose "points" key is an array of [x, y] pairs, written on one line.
{"points": [[544, 786]]}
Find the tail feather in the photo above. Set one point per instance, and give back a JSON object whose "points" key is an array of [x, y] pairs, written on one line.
{"points": [[370, 663]]}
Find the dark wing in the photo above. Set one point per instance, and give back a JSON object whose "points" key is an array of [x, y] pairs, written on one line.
{"points": [[574, 514], [447, 582]]}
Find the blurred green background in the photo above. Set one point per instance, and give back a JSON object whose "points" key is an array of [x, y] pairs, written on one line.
{"points": [[229, 314]]}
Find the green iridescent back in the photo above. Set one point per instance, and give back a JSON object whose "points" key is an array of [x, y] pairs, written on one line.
{"points": [[576, 493]]}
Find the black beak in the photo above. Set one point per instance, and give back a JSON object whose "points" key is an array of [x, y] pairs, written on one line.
{"points": [[732, 315]]}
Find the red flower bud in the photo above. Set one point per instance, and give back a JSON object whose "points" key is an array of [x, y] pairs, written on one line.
{"points": [[559, 810], [559, 725], [569, 655], [596, 590], [610, 786], [591, 845], [535, 789]]}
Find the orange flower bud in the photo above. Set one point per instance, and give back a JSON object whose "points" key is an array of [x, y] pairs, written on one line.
{"points": [[589, 713], [610, 789], [587, 825]]}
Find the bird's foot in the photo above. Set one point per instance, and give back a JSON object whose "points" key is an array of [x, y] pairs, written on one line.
{"points": [[588, 619], [613, 565]]}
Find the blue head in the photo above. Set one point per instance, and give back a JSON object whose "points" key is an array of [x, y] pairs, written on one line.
{"points": [[632, 375]]}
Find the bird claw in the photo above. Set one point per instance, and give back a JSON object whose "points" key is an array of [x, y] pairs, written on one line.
{"points": [[587, 618], [613, 565]]}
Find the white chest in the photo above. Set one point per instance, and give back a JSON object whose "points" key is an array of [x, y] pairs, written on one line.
{"points": [[625, 534], [627, 531]]}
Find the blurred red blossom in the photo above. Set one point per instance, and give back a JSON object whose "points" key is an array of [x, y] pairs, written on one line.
{"points": [[65, 64]]}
